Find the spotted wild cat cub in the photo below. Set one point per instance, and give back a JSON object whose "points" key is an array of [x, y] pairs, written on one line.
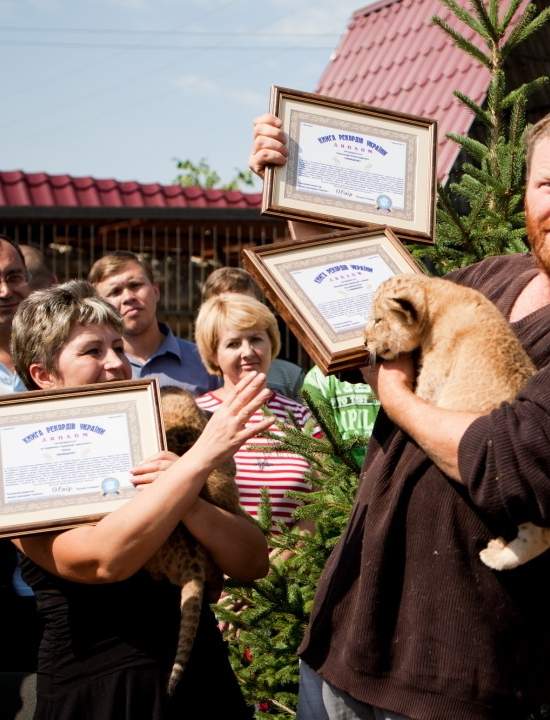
{"points": [[469, 360], [182, 560]]}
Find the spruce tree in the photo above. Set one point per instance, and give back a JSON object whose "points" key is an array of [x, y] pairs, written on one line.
{"points": [[481, 213], [265, 633]]}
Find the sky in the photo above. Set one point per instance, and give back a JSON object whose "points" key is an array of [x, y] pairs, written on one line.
{"points": [[121, 88]]}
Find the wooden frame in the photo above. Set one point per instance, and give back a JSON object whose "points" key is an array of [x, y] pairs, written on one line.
{"points": [[65, 454], [353, 165], [323, 288]]}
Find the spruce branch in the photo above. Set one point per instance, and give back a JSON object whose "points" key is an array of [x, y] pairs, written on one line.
{"points": [[493, 14], [490, 29], [466, 17], [526, 26], [481, 114], [482, 177], [509, 14], [455, 218], [474, 148], [462, 43], [516, 125], [525, 91]]}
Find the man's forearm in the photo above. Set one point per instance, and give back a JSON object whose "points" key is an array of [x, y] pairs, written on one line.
{"points": [[437, 431]]}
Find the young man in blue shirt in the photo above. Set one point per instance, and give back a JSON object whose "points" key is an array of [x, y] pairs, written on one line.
{"points": [[126, 281]]}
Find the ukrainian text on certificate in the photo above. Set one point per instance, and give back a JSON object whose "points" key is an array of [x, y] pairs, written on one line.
{"points": [[47, 460], [352, 166], [342, 292]]}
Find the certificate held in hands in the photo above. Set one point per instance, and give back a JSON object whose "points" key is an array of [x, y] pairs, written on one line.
{"points": [[65, 455], [353, 165], [323, 288]]}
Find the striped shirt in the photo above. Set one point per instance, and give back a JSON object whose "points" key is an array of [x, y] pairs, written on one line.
{"points": [[278, 472]]}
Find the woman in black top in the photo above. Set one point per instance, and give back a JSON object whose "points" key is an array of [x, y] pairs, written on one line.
{"points": [[109, 630]]}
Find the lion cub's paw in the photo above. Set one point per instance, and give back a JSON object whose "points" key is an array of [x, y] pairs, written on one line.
{"points": [[531, 541], [498, 555]]}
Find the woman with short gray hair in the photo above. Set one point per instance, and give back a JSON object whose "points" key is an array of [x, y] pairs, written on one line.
{"points": [[109, 629]]}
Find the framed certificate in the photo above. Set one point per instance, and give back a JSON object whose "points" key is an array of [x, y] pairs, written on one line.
{"points": [[323, 288], [65, 455], [353, 165]]}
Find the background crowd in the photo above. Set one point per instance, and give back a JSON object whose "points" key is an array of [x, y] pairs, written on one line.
{"points": [[46, 330]]}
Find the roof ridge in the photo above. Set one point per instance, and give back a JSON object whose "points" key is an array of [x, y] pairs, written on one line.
{"points": [[19, 188], [373, 7], [15, 176]]}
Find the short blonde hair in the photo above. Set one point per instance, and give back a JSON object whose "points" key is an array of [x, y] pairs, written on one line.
{"points": [[241, 312], [45, 319]]}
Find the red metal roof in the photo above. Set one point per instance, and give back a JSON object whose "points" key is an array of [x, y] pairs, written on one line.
{"points": [[393, 57], [42, 190]]}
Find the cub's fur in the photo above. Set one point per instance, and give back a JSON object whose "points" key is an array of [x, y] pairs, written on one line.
{"points": [[469, 359], [183, 560]]}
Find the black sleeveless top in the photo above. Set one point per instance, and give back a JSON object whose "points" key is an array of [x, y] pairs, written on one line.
{"points": [[106, 652]]}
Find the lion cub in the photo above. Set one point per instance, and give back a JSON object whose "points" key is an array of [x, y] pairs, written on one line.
{"points": [[469, 360], [182, 560]]}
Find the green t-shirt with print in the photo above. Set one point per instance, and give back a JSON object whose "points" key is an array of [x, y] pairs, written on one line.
{"points": [[355, 405]]}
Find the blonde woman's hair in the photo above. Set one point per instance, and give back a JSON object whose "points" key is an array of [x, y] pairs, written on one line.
{"points": [[240, 312], [45, 319]]}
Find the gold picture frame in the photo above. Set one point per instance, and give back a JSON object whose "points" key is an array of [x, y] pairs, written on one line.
{"points": [[65, 454], [352, 165], [323, 288]]}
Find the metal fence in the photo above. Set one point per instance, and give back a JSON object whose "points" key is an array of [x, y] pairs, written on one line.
{"points": [[182, 255]]}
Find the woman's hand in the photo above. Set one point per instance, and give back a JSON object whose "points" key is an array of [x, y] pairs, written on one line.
{"points": [[269, 146], [227, 602], [152, 467], [226, 430]]}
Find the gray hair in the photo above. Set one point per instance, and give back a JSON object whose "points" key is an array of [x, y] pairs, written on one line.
{"points": [[45, 319]]}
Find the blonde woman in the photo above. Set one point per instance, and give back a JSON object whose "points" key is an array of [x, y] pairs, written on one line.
{"points": [[237, 334]]}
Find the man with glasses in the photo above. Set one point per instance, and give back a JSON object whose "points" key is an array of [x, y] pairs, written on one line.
{"points": [[14, 287], [18, 621]]}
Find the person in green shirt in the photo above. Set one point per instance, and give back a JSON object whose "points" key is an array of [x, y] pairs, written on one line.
{"points": [[354, 405]]}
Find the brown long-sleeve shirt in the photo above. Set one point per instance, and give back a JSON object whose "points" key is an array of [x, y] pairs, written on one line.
{"points": [[406, 616]]}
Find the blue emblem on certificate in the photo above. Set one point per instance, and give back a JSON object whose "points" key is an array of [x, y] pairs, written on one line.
{"points": [[110, 486], [383, 202]]}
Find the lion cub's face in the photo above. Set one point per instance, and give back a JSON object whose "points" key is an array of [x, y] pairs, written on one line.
{"points": [[397, 314]]}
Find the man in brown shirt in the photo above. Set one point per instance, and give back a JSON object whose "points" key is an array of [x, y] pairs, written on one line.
{"points": [[408, 623]]}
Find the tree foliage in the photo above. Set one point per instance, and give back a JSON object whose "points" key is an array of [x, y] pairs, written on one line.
{"points": [[273, 615], [481, 213], [202, 175]]}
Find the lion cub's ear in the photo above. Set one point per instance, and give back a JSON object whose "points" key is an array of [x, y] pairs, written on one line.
{"points": [[408, 304]]}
